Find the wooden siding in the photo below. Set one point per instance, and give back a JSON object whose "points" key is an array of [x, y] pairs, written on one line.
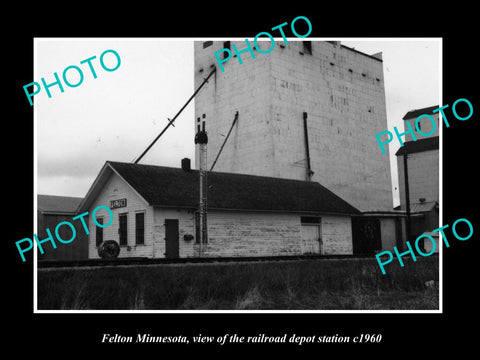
{"points": [[266, 234], [114, 189], [253, 234], [337, 235], [185, 225]]}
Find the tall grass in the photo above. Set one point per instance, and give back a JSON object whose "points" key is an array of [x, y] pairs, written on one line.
{"points": [[303, 284]]}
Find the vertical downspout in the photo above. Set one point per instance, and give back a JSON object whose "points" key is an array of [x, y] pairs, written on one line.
{"points": [[307, 148], [407, 194]]}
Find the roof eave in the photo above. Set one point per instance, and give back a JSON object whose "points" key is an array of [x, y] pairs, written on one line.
{"points": [[275, 211]]}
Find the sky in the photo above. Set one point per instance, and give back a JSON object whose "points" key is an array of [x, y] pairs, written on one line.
{"points": [[117, 115]]}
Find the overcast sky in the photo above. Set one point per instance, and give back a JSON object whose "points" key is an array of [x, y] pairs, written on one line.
{"points": [[117, 115]]}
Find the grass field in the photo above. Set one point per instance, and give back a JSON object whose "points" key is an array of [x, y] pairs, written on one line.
{"points": [[285, 285]]}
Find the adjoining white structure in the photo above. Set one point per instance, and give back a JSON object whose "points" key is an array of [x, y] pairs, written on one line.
{"points": [[422, 160]]}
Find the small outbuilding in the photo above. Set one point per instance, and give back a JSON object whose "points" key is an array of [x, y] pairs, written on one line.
{"points": [[52, 210], [155, 214]]}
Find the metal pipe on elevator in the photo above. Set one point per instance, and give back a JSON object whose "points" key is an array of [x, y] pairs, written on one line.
{"points": [[310, 172]]}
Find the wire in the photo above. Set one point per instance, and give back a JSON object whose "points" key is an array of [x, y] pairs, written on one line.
{"points": [[170, 122]]}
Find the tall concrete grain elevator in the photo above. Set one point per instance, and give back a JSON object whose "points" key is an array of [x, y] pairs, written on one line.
{"points": [[308, 110]]}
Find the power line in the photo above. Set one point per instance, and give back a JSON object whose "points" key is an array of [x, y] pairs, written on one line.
{"points": [[170, 122]]}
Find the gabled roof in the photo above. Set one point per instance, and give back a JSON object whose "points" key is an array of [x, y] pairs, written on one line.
{"points": [[50, 204], [174, 187], [417, 112], [411, 147]]}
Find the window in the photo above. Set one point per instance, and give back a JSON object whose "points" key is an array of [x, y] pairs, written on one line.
{"points": [[207, 44], [99, 232], [122, 230], [310, 220], [140, 228], [226, 45], [307, 47]]}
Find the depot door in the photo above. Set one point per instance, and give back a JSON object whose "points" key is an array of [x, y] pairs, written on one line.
{"points": [[311, 241], [171, 239]]}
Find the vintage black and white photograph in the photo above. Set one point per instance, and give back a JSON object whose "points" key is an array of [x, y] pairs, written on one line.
{"points": [[238, 175]]}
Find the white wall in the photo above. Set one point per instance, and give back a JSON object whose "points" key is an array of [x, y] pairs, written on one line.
{"points": [[337, 235], [423, 178], [268, 234], [185, 225], [115, 188], [253, 234]]}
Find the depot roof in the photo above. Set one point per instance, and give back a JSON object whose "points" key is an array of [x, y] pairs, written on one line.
{"points": [[174, 187]]}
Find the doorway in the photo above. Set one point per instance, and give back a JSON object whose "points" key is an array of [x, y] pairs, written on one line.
{"points": [[171, 239], [366, 235], [311, 239]]}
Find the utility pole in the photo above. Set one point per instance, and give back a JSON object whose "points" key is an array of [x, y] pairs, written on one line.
{"points": [[201, 138]]}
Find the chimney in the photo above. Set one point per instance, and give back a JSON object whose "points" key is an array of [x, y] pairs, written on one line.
{"points": [[186, 164]]}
